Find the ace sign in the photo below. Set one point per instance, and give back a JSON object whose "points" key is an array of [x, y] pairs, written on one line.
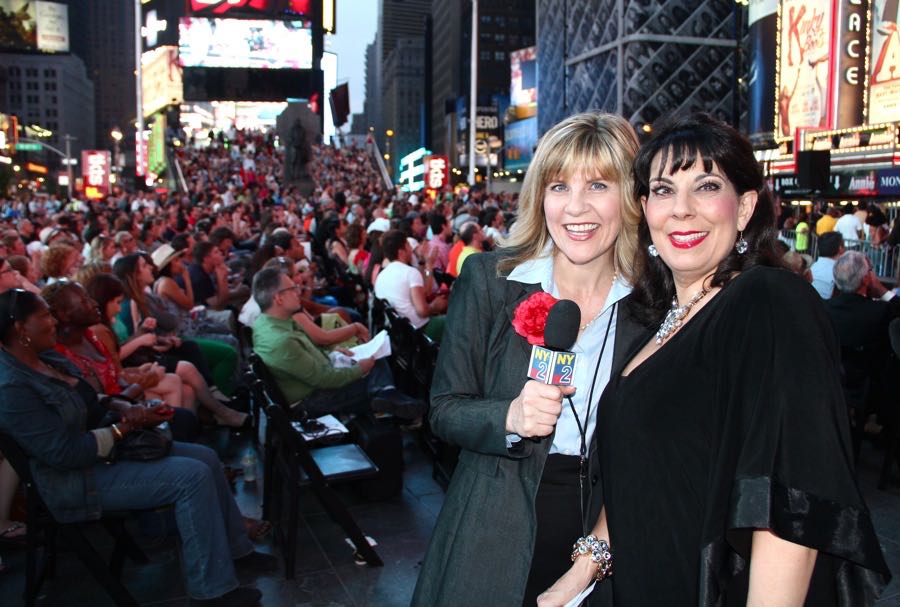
{"points": [[95, 167]]}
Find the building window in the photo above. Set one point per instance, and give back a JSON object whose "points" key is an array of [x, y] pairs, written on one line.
{"points": [[32, 98], [55, 102], [14, 71], [31, 72], [485, 55], [49, 73], [499, 56]]}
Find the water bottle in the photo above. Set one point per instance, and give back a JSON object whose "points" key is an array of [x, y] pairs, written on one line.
{"points": [[248, 462]]}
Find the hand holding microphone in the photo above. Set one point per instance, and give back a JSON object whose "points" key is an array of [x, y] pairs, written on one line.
{"points": [[534, 412]]}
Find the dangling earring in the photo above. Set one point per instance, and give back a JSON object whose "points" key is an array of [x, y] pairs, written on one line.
{"points": [[24, 341], [741, 245], [652, 250]]}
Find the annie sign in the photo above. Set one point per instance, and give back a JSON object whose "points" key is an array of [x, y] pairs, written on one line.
{"points": [[95, 166]]}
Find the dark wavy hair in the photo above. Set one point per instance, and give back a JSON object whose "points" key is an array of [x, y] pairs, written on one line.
{"points": [[680, 142], [103, 288]]}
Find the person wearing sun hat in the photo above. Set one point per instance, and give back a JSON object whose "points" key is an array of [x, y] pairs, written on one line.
{"points": [[164, 255]]}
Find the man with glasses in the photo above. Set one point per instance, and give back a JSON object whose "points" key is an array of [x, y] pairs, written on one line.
{"points": [[303, 370]]}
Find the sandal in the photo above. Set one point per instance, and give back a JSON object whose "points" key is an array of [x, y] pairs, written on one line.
{"points": [[257, 528]]}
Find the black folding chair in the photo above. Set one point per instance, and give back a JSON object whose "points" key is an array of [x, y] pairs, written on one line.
{"points": [[296, 466], [43, 529]]}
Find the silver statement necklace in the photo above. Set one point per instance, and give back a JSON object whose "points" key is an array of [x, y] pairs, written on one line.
{"points": [[676, 315], [600, 312]]}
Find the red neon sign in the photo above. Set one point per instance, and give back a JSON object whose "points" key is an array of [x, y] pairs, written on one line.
{"points": [[221, 7]]}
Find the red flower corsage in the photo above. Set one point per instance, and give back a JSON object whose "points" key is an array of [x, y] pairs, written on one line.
{"points": [[531, 317]]}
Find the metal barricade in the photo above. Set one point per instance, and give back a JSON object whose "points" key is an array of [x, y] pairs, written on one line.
{"points": [[885, 259]]}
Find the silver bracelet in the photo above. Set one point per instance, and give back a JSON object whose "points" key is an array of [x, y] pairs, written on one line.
{"points": [[598, 550]]}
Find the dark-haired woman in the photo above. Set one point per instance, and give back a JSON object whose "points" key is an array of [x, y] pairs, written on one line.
{"points": [[54, 415], [136, 273], [107, 292], [725, 480]]}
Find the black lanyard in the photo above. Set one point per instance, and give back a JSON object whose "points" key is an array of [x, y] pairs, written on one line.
{"points": [[582, 429]]}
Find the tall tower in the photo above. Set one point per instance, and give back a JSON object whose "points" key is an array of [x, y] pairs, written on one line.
{"points": [[643, 60]]}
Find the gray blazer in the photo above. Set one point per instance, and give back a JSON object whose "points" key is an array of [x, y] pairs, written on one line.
{"points": [[481, 548]]}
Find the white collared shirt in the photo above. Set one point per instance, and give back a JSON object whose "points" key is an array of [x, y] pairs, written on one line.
{"points": [[567, 439]]}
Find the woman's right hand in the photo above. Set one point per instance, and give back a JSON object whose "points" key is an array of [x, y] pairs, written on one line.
{"points": [[535, 410], [572, 582], [148, 324]]}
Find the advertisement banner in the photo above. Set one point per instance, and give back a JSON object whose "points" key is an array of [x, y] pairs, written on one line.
{"points": [[523, 82], [52, 27], [95, 170], [521, 139], [804, 59], [251, 43], [250, 7], [437, 172], [34, 25], [850, 57], [762, 31], [884, 77], [161, 82]]}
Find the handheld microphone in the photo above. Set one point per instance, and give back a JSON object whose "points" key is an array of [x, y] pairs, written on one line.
{"points": [[553, 363]]}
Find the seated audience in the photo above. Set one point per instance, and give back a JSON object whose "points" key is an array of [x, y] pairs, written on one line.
{"points": [[404, 287], [108, 292], [60, 261], [831, 246], [209, 279], [55, 416], [304, 371]]}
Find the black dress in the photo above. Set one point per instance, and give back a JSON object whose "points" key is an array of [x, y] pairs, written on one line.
{"points": [[737, 423]]}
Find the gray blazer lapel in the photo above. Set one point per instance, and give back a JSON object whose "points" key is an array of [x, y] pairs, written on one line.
{"points": [[516, 294]]}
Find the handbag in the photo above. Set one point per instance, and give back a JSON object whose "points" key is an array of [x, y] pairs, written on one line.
{"points": [[145, 444]]}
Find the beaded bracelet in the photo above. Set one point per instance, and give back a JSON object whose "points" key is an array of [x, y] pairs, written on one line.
{"points": [[598, 550]]}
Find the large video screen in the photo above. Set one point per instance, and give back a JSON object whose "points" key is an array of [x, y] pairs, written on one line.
{"points": [[244, 43]]}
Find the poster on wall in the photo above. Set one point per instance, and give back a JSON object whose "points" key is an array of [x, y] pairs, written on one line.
{"points": [[884, 63], [804, 58]]}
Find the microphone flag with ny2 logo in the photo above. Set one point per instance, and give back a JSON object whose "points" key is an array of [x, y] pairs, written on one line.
{"points": [[552, 367]]}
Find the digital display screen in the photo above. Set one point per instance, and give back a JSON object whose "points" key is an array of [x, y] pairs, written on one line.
{"points": [[244, 43]]}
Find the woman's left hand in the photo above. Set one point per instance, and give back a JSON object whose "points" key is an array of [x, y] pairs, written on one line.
{"points": [[566, 588]]}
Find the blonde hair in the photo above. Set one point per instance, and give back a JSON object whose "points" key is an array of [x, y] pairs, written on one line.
{"points": [[600, 142]]}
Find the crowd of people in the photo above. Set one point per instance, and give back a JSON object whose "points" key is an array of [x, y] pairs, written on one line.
{"points": [[119, 314], [147, 297]]}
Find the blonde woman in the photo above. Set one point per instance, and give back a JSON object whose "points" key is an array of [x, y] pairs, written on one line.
{"points": [[523, 489]]}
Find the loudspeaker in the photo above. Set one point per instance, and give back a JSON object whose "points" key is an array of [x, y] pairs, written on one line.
{"points": [[814, 169]]}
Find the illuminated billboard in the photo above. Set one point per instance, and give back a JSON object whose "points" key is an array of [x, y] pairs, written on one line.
{"points": [[34, 25], [95, 170], [252, 7], [244, 43], [161, 83], [278, 9], [523, 82], [884, 77], [803, 88]]}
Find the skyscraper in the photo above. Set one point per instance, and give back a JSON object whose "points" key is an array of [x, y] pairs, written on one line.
{"points": [[103, 36], [643, 60]]}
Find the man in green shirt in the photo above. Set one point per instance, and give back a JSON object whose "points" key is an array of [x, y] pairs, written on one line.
{"points": [[303, 370]]}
